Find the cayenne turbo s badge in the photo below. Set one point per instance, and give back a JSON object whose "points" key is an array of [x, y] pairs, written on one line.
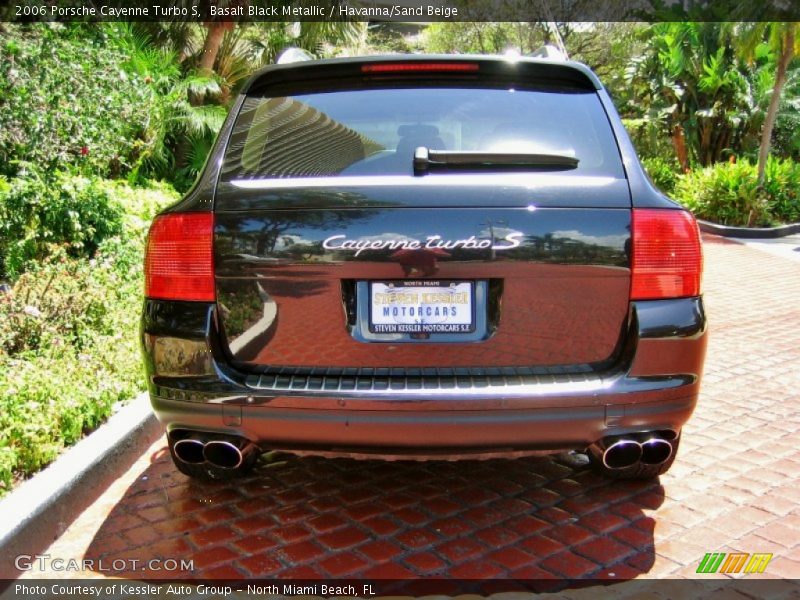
{"points": [[431, 242]]}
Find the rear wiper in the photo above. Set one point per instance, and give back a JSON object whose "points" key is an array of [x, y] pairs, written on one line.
{"points": [[425, 159]]}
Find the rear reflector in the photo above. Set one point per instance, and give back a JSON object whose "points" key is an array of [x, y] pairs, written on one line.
{"points": [[178, 262], [667, 258], [418, 67]]}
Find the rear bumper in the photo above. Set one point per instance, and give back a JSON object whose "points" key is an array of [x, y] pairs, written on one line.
{"points": [[652, 384], [417, 432]]}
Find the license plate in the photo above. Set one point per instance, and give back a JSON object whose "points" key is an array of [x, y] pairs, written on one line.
{"points": [[422, 307]]}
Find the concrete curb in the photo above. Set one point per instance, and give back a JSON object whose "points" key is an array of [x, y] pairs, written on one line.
{"points": [[42, 508], [749, 232]]}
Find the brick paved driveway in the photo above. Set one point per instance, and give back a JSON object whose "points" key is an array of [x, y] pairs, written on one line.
{"points": [[734, 486]]}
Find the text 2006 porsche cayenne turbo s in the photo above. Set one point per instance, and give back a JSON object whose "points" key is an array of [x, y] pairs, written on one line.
{"points": [[428, 256]]}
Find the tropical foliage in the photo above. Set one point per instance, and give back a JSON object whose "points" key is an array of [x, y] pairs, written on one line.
{"points": [[90, 117], [694, 89], [784, 42], [730, 194]]}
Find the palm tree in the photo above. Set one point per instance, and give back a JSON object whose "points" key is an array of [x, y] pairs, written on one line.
{"points": [[213, 41], [690, 83], [215, 32], [171, 115], [182, 37], [782, 39]]}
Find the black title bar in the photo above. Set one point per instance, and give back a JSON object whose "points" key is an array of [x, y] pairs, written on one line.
{"points": [[204, 11]]}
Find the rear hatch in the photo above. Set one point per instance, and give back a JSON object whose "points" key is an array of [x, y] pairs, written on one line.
{"points": [[390, 214]]}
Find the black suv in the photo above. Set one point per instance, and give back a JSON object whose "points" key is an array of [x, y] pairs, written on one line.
{"points": [[427, 256]]}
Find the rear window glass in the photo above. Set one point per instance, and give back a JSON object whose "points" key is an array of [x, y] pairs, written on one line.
{"points": [[375, 131]]}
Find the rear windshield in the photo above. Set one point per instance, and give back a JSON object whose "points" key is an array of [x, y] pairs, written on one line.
{"points": [[372, 132]]}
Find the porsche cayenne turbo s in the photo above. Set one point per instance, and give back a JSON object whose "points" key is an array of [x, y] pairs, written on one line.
{"points": [[422, 257]]}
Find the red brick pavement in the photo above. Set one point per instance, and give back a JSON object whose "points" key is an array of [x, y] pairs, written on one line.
{"points": [[734, 486]]}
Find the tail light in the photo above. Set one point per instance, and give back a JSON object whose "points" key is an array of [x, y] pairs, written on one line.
{"points": [[178, 262], [419, 67], [667, 258]]}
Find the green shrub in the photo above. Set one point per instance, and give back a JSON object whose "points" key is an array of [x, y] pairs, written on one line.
{"points": [[664, 173], [48, 403], [67, 100], [782, 187], [8, 461], [55, 306], [728, 193], [68, 352], [140, 203], [68, 340], [66, 210]]}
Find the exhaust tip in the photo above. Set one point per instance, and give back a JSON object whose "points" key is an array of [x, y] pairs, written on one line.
{"points": [[223, 454], [667, 434], [622, 453], [656, 451], [189, 451]]}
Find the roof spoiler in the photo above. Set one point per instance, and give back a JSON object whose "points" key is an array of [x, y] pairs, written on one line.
{"points": [[309, 73]]}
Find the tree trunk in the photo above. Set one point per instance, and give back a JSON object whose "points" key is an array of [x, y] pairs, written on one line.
{"points": [[216, 31], [479, 32], [787, 52], [706, 151], [679, 143]]}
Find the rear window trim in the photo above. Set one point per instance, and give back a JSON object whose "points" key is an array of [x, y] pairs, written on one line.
{"points": [[443, 180]]}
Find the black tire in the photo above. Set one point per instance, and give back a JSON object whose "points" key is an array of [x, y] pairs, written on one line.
{"points": [[637, 471], [208, 472]]}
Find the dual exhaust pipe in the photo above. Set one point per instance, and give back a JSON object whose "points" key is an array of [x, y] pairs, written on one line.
{"points": [[225, 453], [649, 448], [616, 452]]}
